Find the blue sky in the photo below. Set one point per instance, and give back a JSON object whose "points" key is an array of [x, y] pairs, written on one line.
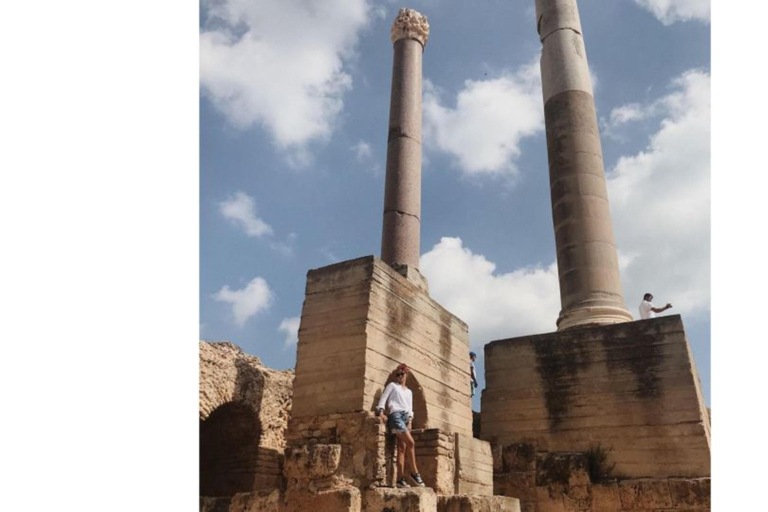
{"points": [[293, 122]]}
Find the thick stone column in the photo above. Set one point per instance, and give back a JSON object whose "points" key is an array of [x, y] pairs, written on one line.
{"points": [[587, 259], [401, 233]]}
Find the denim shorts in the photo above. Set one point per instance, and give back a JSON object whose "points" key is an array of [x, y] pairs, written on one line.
{"points": [[397, 422]]}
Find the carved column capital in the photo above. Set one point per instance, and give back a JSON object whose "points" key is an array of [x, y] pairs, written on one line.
{"points": [[410, 24]]}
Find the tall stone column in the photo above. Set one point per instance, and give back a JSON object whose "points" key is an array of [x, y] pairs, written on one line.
{"points": [[401, 232], [587, 259]]}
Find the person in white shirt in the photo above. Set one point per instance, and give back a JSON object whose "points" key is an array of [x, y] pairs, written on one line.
{"points": [[397, 401], [647, 310], [472, 377]]}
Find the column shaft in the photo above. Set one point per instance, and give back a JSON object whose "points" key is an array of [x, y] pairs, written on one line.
{"points": [[587, 259], [401, 232]]}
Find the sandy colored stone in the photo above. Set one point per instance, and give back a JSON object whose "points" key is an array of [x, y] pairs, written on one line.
{"points": [[473, 503], [244, 410], [415, 499], [549, 498], [393, 320], [474, 466], [520, 485], [686, 492], [265, 501], [517, 457], [632, 386], [227, 374], [605, 497], [645, 494], [312, 461], [347, 499]]}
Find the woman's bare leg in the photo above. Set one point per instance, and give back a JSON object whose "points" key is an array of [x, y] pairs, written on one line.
{"points": [[410, 446], [401, 448]]}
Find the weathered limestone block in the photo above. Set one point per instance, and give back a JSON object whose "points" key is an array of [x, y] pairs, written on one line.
{"points": [[435, 456], [605, 497], [568, 469], [264, 501], [518, 485], [362, 318], [360, 436], [632, 386], [465, 503], [645, 494], [474, 466], [690, 492], [346, 499], [518, 457], [312, 461], [227, 374], [416, 499], [550, 499], [244, 409]]}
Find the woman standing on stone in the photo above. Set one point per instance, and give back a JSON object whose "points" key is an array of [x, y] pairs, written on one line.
{"points": [[397, 400]]}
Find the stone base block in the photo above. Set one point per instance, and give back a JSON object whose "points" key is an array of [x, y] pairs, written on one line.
{"points": [[632, 388], [474, 466], [471, 503], [336, 500], [264, 501], [416, 499]]}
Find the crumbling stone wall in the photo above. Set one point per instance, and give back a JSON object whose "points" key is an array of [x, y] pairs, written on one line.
{"points": [[244, 411], [569, 482]]}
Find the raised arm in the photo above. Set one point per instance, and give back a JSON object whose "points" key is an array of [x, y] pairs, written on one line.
{"points": [[661, 310]]}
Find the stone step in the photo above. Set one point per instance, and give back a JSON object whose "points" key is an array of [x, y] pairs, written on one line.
{"points": [[414, 499], [474, 503]]}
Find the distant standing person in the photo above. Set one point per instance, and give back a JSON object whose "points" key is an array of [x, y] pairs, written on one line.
{"points": [[397, 401], [473, 379], [647, 310]]}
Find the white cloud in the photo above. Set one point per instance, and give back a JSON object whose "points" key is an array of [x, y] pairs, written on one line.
{"points": [[290, 326], [280, 65], [287, 248], [670, 11], [483, 131], [525, 301], [660, 202], [240, 209], [255, 297], [362, 150], [627, 113]]}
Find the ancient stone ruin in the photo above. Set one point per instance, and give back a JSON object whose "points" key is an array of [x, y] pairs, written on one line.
{"points": [[244, 410], [605, 414]]}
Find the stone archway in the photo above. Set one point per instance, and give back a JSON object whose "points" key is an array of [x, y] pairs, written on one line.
{"points": [[229, 449], [420, 417]]}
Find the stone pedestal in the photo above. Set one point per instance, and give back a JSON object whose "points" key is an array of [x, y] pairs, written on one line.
{"points": [[630, 388], [360, 320]]}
